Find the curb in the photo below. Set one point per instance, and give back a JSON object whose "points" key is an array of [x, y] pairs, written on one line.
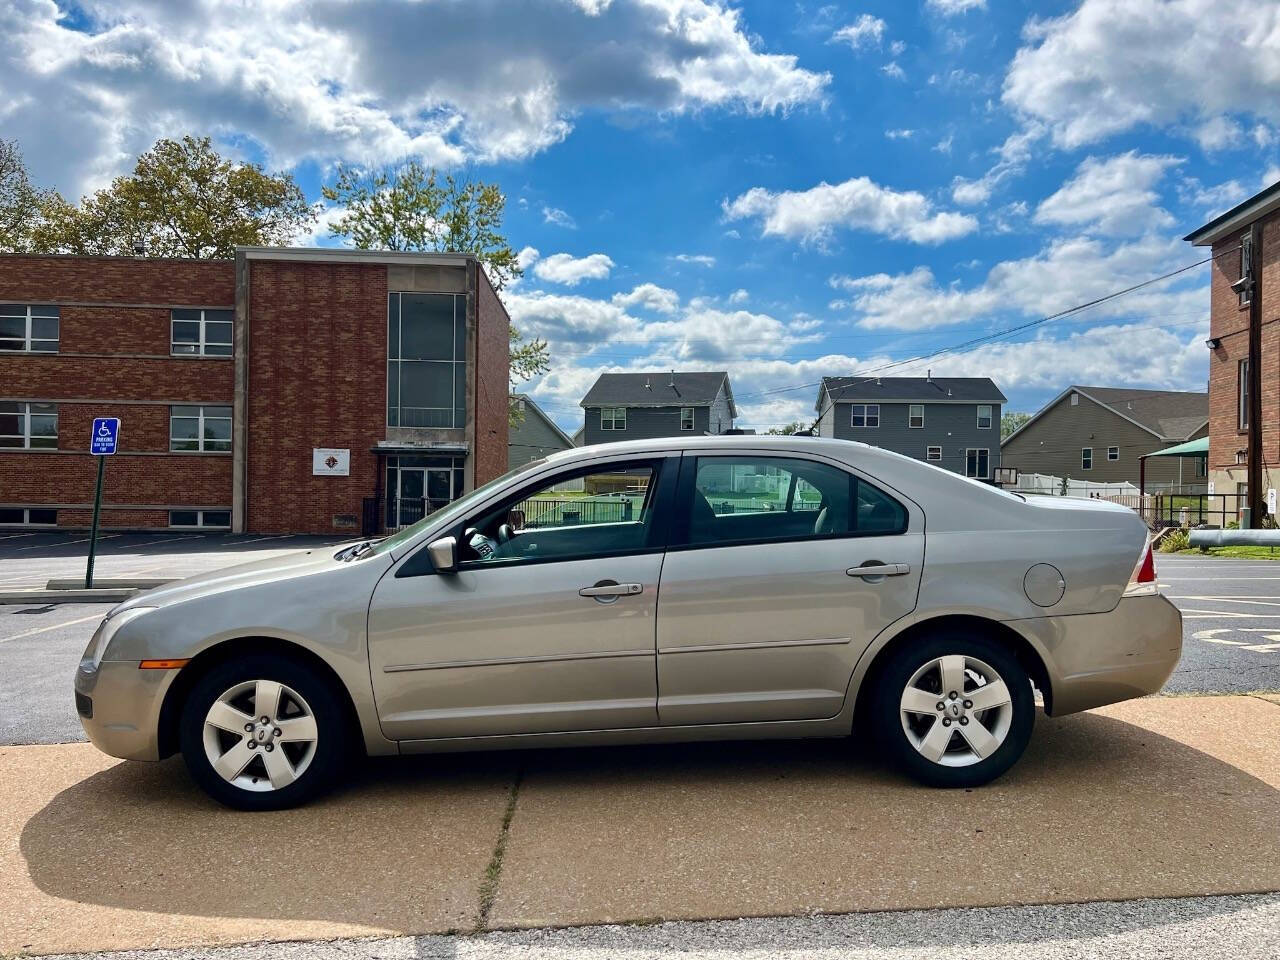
{"points": [[107, 583], [114, 595]]}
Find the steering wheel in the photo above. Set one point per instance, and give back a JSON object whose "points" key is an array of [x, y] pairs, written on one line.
{"points": [[504, 533]]}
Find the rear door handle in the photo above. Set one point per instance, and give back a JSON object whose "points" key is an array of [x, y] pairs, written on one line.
{"points": [[879, 570], [608, 589]]}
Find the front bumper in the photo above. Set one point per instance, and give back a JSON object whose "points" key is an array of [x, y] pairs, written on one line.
{"points": [[1100, 658], [124, 706]]}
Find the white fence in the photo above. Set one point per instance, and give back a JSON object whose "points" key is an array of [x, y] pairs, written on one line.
{"points": [[1043, 483]]}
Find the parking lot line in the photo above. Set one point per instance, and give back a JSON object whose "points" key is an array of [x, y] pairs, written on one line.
{"points": [[67, 543], [1254, 601], [50, 626]]}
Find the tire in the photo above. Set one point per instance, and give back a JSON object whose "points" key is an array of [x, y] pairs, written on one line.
{"points": [[981, 741], [296, 756]]}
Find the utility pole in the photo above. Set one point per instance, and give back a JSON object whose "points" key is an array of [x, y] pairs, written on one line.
{"points": [[1253, 470]]}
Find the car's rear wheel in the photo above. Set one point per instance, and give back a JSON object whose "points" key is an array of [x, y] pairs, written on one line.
{"points": [[954, 710], [263, 732]]}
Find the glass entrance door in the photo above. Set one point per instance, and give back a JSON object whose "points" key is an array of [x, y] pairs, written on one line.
{"points": [[439, 488], [411, 505]]}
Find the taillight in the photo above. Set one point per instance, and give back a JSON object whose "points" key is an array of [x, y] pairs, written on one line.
{"points": [[1143, 581]]}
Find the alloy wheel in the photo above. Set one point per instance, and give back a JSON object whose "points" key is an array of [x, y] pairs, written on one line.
{"points": [[956, 710], [260, 735]]}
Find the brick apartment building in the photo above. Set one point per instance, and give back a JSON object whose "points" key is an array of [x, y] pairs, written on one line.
{"points": [[285, 391], [1229, 343]]}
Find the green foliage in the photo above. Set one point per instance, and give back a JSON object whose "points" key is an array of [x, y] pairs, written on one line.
{"points": [[1010, 422], [183, 199], [22, 205], [1175, 540], [790, 429]]}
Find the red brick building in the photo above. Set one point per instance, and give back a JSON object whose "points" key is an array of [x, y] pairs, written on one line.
{"points": [[1229, 343], [284, 391]]}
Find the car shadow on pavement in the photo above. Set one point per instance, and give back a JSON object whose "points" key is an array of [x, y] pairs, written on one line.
{"points": [[1097, 809]]}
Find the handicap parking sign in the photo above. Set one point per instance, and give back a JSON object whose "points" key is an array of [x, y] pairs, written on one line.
{"points": [[102, 442]]}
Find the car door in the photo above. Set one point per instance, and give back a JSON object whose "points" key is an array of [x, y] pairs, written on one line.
{"points": [[780, 571], [548, 622]]}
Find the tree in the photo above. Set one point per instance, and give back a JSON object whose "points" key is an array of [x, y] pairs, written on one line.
{"points": [[789, 429], [411, 208], [183, 199], [1010, 422], [21, 204]]}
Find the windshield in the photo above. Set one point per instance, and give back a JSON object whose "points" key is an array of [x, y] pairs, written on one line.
{"points": [[387, 544]]}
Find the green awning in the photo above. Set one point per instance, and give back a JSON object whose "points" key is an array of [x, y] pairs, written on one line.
{"points": [[1192, 448]]}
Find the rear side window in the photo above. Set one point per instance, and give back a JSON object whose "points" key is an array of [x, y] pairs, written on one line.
{"points": [[734, 500]]}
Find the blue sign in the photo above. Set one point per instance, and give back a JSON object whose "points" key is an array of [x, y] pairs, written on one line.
{"points": [[105, 431]]}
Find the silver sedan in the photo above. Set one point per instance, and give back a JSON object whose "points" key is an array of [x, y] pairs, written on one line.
{"points": [[665, 590]]}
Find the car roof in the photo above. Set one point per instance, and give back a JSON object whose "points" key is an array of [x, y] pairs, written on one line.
{"points": [[840, 449]]}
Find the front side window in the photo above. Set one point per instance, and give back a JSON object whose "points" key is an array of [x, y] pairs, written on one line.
{"points": [[1086, 458], [588, 512], [613, 418], [725, 501], [933, 453], [984, 416], [23, 517], [977, 463], [686, 418], [915, 416], [1113, 453], [1242, 395], [29, 327], [866, 415], [200, 333], [426, 360], [200, 429], [28, 426], [217, 519]]}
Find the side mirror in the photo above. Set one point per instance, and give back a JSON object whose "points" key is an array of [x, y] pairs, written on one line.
{"points": [[444, 554]]}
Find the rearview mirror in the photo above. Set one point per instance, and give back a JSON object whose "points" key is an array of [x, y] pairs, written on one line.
{"points": [[444, 554]]}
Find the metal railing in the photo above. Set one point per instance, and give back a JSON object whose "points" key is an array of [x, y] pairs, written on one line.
{"points": [[382, 515], [1161, 510]]}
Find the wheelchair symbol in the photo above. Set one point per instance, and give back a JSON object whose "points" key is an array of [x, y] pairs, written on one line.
{"points": [[104, 430]]}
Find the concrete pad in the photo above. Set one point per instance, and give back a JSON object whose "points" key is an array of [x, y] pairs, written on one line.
{"points": [[100, 854], [1155, 798]]}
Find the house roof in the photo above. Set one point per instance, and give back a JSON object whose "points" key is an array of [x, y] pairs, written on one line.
{"points": [[531, 406], [1166, 414], [661, 389], [1241, 215], [910, 389]]}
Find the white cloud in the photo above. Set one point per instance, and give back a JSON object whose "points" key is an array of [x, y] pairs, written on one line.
{"points": [[318, 79], [739, 296], [866, 31], [570, 271], [903, 134], [317, 235], [813, 215], [1271, 176], [1113, 196], [891, 69], [1013, 155], [943, 146], [1211, 200], [1108, 67], [897, 47], [696, 259], [949, 8], [557, 217], [649, 296], [1218, 133]]}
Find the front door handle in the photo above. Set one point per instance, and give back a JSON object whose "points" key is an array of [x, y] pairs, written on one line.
{"points": [[879, 570], [607, 591]]}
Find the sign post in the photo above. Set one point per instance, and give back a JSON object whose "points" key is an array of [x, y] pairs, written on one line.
{"points": [[102, 444]]}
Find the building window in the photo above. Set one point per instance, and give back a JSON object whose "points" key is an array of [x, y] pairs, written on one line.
{"points": [[977, 463], [21, 517], [1202, 467], [865, 415], [200, 333], [1113, 453], [29, 328], [933, 453], [426, 360], [1242, 395], [1075, 399], [28, 426], [686, 418], [200, 429], [915, 416], [984, 416], [1086, 458], [613, 418], [216, 519], [1246, 251]]}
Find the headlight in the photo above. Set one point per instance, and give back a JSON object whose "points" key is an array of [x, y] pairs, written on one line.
{"points": [[107, 630]]}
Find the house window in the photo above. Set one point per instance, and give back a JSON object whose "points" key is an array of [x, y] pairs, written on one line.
{"points": [[1075, 399], [1246, 253], [977, 463], [865, 415], [216, 519], [686, 418], [1113, 453], [613, 418], [1202, 467], [984, 416], [426, 360], [21, 517], [200, 429], [1242, 395], [28, 426], [29, 328], [1086, 458], [915, 416], [200, 333], [933, 453]]}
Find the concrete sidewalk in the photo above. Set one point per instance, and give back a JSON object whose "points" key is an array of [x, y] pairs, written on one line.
{"points": [[1156, 798]]}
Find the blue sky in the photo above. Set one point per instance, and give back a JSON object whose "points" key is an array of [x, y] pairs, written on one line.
{"points": [[781, 189]]}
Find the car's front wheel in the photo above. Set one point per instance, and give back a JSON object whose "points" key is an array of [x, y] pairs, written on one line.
{"points": [[263, 732], [953, 710]]}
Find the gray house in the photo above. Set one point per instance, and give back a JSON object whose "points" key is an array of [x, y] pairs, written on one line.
{"points": [[640, 406], [952, 422], [1098, 433], [535, 436]]}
